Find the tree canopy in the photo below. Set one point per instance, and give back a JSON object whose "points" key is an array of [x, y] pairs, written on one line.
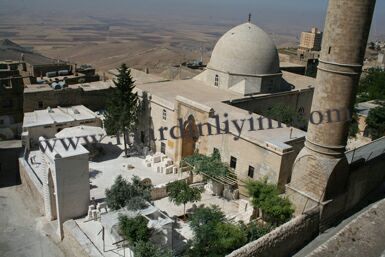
{"points": [[287, 115], [276, 210], [132, 195], [216, 236], [148, 249], [136, 232], [209, 165], [376, 122], [372, 85], [122, 106], [134, 229], [179, 192]]}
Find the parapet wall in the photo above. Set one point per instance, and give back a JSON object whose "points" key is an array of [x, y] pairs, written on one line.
{"points": [[31, 184], [284, 240]]}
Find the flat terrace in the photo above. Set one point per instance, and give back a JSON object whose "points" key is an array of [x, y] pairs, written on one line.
{"points": [[89, 86], [57, 115]]}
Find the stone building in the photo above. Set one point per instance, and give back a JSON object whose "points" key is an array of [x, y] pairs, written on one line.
{"points": [[50, 121], [11, 91], [311, 40], [229, 94], [93, 95], [58, 179]]}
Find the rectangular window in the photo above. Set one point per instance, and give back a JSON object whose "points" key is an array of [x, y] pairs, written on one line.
{"points": [[40, 104], [163, 148], [216, 81], [250, 173], [164, 115], [233, 162]]}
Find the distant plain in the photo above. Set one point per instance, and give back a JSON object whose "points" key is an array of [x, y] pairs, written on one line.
{"points": [[154, 35]]}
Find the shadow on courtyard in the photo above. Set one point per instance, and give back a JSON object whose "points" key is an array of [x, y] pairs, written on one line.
{"points": [[110, 152], [9, 167]]}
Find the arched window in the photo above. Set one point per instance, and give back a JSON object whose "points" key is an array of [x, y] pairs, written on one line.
{"points": [[216, 82], [164, 114]]}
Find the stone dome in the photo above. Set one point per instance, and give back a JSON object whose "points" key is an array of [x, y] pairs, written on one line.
{"points": [[245, 49]]}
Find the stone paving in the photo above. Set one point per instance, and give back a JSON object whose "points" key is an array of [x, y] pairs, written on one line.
{"points": [[104, 170]]}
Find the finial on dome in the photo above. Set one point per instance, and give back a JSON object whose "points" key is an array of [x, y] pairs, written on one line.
{"points": [[249, 17]]}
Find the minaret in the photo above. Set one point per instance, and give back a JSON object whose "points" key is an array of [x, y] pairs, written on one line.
{"points": [[320, 171]]}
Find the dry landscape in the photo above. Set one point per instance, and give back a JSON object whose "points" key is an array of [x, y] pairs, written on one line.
{"points": [[107, 42]]}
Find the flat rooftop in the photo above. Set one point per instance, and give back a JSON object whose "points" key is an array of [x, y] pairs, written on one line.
{"points": [[51, 116], [275, 138], [192, 89], [88, 86], [299, 81], [364, 108], [140, 77]]}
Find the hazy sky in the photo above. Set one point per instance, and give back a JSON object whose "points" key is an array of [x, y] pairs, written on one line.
{"points": [[277, 14]]}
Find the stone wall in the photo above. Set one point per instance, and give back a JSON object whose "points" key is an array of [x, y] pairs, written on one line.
{"points": [[159, 192], [284, 240], [361, 237], [80, 244], [301, 99], [31, 185], [92, 99]]}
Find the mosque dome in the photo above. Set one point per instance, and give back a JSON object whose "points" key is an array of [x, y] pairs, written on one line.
{"points": [[245, 49]]}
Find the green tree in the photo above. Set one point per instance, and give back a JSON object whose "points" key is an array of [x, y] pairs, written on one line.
{"points": [[372, 85], [255, 230], [122, 106], [209, 165], [125, 194], [148, 249], [179, 192], [287, 115], [214, 235], [376, 122], [276, 210], [136, 232], [134, 229], [229, 237]]}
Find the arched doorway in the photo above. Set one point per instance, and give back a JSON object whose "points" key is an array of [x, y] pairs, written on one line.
{"points": [[52, 214], [190, 137]]}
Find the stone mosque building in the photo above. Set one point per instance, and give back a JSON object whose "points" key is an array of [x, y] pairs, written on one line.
{"points": [[224, 105]]}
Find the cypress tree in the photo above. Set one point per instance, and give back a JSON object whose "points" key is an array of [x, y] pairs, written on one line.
{"points": [[122, 106]]}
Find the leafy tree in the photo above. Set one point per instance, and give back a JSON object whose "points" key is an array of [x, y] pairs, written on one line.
{"points": [[376, 122], [276, 209], [148, 249], [214, 235], [255, 230], [229, 237], [122, 106], [134, 229], [209, 165], [287, 115], [136, 232], [372, 85], [125, 194], [179, 192]]}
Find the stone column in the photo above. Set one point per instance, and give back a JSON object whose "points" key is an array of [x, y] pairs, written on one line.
{"points": [[320, 171]]}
